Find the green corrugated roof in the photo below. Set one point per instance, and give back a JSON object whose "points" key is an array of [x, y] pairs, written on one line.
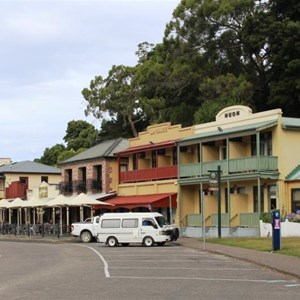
{"points": [[226, 131], [102, 150], [291, 123], [294, 174]]}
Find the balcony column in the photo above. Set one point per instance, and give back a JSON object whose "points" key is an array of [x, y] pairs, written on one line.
{"points": [[228, 202], [259, 195], [258, 150], [227, 154], [200, 158]]}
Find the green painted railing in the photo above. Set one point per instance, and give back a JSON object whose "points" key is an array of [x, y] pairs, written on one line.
{"points": [[194, 220], [224, 220], [245, 220], [249, 219], [235, 165]]}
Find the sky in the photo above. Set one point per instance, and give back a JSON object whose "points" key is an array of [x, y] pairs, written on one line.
{"points": [[51, 50]]}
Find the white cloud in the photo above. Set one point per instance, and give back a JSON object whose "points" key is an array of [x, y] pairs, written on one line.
{"points": [[51, 50]]}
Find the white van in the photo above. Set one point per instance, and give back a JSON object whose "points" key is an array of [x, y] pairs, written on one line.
{"points": [[145, 228]]}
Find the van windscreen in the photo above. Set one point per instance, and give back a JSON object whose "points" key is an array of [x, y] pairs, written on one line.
{"points": [[161, 221]]}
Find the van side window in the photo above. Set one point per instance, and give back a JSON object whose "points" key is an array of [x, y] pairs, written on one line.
{"points": [[111, 223], [130, 223], [148, 222]]}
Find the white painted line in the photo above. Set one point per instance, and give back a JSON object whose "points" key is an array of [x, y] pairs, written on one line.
{"points": [[203, 278], [106, 272], [292, 285], [174, 268], [173, 260]]}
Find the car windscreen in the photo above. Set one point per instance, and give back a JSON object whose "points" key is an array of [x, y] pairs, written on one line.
{"points": [[161, 221]]}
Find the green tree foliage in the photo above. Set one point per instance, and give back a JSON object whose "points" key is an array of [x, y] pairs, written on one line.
{"points": [[80, 134], [50, 156], [284, 37], [221, 92], [114, 96]]}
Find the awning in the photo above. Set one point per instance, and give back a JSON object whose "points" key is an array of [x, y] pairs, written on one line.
{"points": [[227, 132], [149, 201], [147, 147]]}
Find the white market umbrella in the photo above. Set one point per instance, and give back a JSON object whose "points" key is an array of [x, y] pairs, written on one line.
{"points": [[86, 200], [34, 203], [16, 204], [60, 201], [3, 206]]}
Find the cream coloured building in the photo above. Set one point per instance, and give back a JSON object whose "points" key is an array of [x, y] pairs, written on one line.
{"points": [[257, 154]]}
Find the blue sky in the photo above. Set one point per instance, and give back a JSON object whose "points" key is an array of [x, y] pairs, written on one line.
{"points": [[51, 50]]}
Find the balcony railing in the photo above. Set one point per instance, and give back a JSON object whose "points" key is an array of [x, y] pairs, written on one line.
{"points": [[16, 190], [244, 220], [149, 174], [236, 165], [80, 186]]}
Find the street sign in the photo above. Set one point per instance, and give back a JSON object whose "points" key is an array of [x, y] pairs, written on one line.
{"points": [[213, 188]]}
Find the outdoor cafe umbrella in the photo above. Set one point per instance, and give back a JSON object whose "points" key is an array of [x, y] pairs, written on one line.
{"points": [[34, 203], [16, 204], [60, 201], [86, 200], [3, 206]]}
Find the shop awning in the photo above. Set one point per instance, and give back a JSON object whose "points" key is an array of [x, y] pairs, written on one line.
{"points": [[148, 147], [234, 131], [149, 201]]}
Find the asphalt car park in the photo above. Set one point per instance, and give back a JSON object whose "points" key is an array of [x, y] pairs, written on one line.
{"points": [[96, 271]]}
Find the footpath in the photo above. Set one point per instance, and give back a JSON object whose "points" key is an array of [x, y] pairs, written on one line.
{"points": [[285, 264], [288, 265]]}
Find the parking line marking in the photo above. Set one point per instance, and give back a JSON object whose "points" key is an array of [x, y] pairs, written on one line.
{"points": [[205, 279], [106, 272], [174, 268]]}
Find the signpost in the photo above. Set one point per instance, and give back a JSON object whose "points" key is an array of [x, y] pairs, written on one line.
{"points": [[215, 185]]}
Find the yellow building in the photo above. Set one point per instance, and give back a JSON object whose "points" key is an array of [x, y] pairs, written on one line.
{"points": [[148, 171], [258, 157]]}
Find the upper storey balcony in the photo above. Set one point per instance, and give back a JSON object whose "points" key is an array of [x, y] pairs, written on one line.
{"points": [[149, 162], [230, 166], [243, 151]]}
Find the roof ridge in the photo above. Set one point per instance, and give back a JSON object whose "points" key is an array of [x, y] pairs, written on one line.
{"points": [[112, 146]]}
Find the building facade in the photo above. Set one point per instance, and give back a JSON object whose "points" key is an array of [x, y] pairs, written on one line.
{"points": [[256, 154], [17, 179], [94, 170], [148, 171]]}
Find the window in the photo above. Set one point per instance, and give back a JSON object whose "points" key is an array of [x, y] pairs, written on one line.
{"points": [[295, 200], [123, 168], [154, 158], [134, 161], [44, 178], [111, 223], [130, 223], [23, 180], [148, 222], [174, 150], [241, 190], [265, 144]]}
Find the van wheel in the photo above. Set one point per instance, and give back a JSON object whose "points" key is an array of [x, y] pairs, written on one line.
{"points": [[86, 236], [160, 243], [112, 241], [148, 241]]}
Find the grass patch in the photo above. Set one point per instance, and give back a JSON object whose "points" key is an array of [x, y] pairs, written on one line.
{"points": [[289, 246]]}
